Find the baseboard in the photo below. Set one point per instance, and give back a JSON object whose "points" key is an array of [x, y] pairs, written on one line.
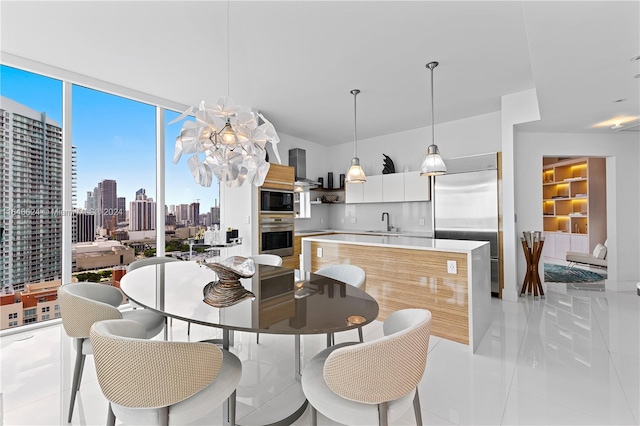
{"points": [[620, 285]]}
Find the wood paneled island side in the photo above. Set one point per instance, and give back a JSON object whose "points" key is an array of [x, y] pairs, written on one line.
{"points": [[408, 272]]}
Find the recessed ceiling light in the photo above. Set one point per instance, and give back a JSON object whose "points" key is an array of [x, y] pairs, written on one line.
{"points": [[635, 58], [619, 100], [616, 121]]}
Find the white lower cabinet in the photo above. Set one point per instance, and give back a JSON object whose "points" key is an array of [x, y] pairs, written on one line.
{"points": [[557, 244]]}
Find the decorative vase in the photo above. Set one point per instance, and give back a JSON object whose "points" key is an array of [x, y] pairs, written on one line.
{"points": [[342, 177], [330, 180], [228, 291]]}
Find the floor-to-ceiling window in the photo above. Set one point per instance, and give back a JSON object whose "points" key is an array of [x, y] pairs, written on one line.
{"points": [[114, 217], [190, 207], [112, 188], [30, 193]]}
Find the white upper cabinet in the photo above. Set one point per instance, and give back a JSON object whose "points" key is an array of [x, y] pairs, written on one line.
{"points": [[416, 187], [389, 188], [372, 189], [354, 193], [393, 187]]}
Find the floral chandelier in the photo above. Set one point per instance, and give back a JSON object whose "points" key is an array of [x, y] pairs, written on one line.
{"points": [[232, 141]]}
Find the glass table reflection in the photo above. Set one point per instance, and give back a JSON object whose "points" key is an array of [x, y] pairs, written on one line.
{"points": [[287, 302]]}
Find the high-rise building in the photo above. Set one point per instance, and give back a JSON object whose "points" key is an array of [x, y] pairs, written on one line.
{"points": [[107, 213], [215, 214], [31, 188], [182, 214], [84, 227], [90, 205], [194, 214], [142, 213], [122, 209]]}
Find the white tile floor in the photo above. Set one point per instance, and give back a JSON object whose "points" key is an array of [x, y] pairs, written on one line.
{"points": [[571, 358]]}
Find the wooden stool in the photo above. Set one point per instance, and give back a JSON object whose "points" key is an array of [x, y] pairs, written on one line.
{"points": [[532, 282]]}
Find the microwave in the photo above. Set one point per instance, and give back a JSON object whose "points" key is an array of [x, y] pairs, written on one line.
{"points": [[275, 201]]}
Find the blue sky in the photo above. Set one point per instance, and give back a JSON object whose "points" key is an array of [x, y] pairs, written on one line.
{"points": [[114, 137]]}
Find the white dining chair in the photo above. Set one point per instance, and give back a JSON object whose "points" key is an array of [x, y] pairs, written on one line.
{"points": [[265, 259], [350, 274], [82, 304], [162, 383], [155, 261], [373, 382]]}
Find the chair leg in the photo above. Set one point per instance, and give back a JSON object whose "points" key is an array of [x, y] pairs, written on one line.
{"points": [[314, 415], [383, 419], [330, 339], [360, 334], [416, 409], [188, 329], [77, 371], [258, 338], [111, 418], [229, 410]]}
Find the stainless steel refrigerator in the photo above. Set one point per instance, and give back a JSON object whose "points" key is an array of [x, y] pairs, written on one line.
{"points": [[466, 205]]}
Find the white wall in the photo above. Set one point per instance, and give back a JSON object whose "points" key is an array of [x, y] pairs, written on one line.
{"points": [[520, 107], [623, 193], [469, 136]]}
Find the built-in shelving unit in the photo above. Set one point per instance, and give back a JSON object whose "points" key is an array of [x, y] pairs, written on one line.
{"points": [[574, 205]]}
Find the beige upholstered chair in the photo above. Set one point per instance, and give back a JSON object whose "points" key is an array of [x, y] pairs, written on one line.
{"points": [[373, 382], [82, 304], [154, 261], [265, 259], [158, 382], [350, 274]]}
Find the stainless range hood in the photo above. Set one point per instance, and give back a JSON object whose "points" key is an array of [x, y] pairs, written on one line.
{"points": [[298, 159]]}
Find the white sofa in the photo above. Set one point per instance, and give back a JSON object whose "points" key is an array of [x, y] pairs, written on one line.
{"points": [[598, 258]]}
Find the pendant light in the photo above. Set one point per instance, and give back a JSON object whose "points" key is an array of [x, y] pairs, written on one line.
{"points": [[355, 173], [432, 165]]}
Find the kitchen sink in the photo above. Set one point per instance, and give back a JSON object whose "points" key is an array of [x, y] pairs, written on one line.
{"points": [[380, 231]]}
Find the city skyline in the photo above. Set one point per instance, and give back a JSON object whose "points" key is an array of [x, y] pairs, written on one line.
{"points": [[114, 139]]}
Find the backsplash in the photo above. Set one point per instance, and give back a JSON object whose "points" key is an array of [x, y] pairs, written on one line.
{"points": [[368, 217]]}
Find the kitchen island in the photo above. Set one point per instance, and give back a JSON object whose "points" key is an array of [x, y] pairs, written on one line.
{"points": [[409, 272]]}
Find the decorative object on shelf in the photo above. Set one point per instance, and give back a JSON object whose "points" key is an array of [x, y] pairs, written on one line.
{"points": [[321, 182], [330, 180], [329, 198], [233, 142], [388, 165], [342, 178], [355, 173], [432, 165], [228, 291]]}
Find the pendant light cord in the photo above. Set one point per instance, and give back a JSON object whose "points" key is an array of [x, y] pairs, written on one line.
{"points": [[229, 48], [355, 92], [433, 122]]}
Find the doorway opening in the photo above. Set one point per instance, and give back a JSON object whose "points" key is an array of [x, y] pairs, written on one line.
{"points": [[574, 208]]}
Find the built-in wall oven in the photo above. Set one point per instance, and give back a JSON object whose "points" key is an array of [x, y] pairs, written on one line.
{"points": [[276, 234]]}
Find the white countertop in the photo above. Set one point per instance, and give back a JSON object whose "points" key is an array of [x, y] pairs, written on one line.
{"points": [[400, 241]]}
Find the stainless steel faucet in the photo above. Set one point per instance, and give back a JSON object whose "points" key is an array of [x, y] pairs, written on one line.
{"points": [[388, 226]]}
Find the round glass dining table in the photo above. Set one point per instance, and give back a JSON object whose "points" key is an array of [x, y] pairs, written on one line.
{"points": [[286, 301]]}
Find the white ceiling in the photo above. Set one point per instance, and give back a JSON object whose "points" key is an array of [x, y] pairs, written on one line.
{"points": [[296, 61]]}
